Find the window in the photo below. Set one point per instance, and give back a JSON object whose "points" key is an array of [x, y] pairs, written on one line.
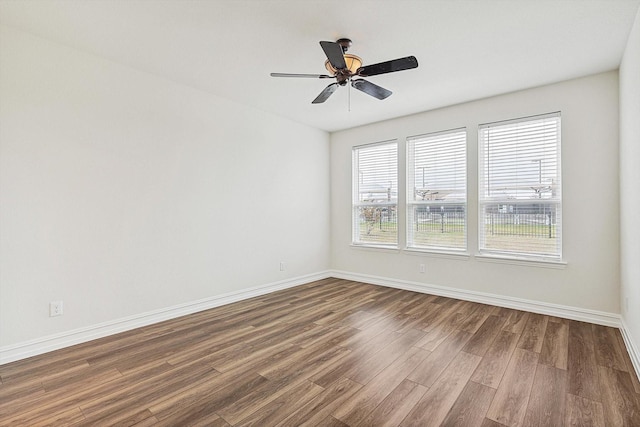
{"points": [[437, 191], [375, 194], [520, 201]]}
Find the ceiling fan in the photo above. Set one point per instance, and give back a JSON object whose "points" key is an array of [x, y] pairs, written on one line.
{"points": [[345, 67]]}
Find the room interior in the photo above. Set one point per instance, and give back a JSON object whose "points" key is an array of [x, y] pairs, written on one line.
{"points": [[151, 168]]}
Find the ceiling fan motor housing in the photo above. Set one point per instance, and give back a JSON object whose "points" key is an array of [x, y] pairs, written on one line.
{"points": [[344, 43]]}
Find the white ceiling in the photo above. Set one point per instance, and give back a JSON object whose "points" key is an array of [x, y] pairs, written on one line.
{"points": [[466, 49]]}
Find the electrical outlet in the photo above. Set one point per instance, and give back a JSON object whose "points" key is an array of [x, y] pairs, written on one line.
{"points": [[422, 268], [55, 308], [283, 266]]}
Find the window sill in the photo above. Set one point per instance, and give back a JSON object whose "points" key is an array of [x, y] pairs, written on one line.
{"points": [[376, 248], [437, 254], [503, 259]]}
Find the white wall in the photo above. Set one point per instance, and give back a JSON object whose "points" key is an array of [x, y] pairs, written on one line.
{"points": [[630, 186], [590, 279], [122, 192]]}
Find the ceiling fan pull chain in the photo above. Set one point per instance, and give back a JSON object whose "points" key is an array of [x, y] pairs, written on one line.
{"points": [[349, 96]]}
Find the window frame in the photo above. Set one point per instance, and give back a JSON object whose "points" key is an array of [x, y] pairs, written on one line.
{"points": [[412, 203], [355, 197], [556, 198]]}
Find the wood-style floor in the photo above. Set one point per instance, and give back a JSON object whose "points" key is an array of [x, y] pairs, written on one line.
{"points": [[335, 353]]}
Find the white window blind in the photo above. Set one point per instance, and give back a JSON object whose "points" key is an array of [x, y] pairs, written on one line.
{"points": [[520, 201], [437, 190], [375, 194]]}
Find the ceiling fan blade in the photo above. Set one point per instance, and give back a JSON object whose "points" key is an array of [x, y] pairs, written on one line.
{"points": [[371, 89], [309, 76], [335, 55], [325, 94], [388, 67]]}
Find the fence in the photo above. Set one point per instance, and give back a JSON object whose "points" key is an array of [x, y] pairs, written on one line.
{"points": [[442, 222], [521, 224], [452, 221]]}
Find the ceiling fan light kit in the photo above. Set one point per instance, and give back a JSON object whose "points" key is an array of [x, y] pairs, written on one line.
{"points": [[345, 66], [353, 64]]}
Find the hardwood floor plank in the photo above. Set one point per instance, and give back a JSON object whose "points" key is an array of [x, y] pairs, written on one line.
{"points": [[546, 403], [581, 412], [608, 351], [299, 360], [450, 320], [135, 419], [22, 371], [19, 393], [478, 315], [72, 396], [111, 409], [331, 422], [620, 403], [281, 382], [364, 401], [495, 361], [533, 333], [38, 418], [583, 372], [437, 313], [280, 408], [510, 402], [516, 321], [395, 407], [555, 346], [215, 342], [373, 365], [208, 420], [430, 369], [189, 407], [147, 422], [490, 423], [558, 320], [365, 351], [255, 354], [484, 336], [432, 409], [470, 408], [82, 378], [418, 303], [322, 405], [358, 320]]}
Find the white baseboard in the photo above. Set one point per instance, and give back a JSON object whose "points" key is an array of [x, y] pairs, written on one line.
{"points": [[49, 343], [632, 348], [567, 312], [54, 342]]}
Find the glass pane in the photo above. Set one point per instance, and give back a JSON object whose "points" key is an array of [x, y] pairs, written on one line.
{"points": [[522, 228], [376, 224], [520, 160], [378, 173], [438, 226], [437, 166]]}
